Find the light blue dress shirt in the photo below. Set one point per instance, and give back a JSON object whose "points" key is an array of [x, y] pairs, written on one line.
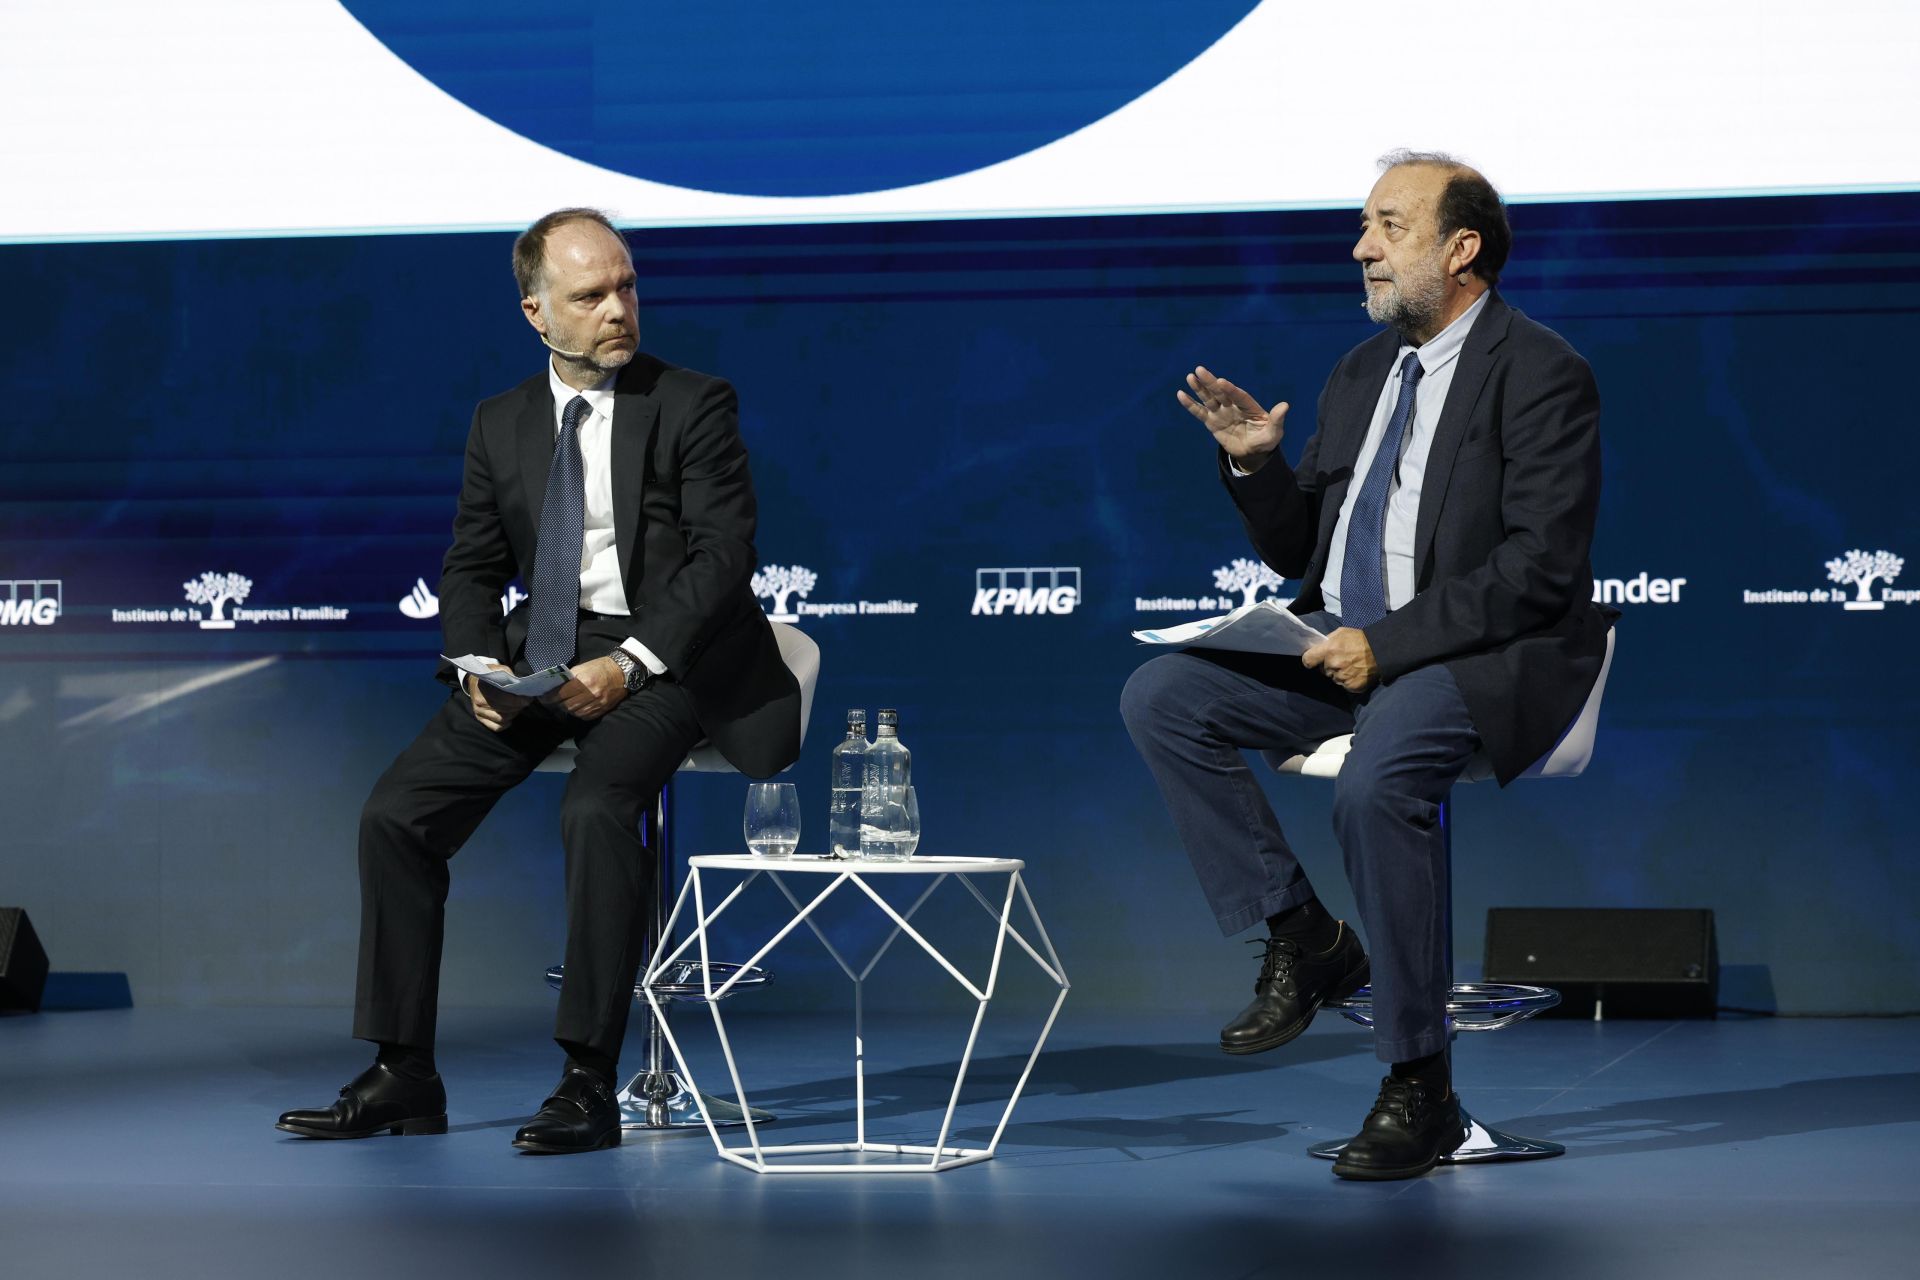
{"points": [[1439, 357]]}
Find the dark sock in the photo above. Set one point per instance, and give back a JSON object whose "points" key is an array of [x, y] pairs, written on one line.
{"points": [[1431, 1071], [1307, 924], [594, 1063], [407, 1061]]}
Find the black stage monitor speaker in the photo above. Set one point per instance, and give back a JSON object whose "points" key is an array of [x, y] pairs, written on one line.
{"points": [[1609, 962], [23, 965]]}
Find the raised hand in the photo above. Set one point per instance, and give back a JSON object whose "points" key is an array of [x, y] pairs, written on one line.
{"points": [[1248, 433]]}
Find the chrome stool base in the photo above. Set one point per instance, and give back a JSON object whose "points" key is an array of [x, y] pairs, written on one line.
{"points": [[656, 1097], [1483, 1145], [1471, 1006], [661, 1100]]}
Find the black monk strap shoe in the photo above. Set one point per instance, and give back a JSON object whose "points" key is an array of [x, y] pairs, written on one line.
{"points": [[1291, 988], [1405, 1134], [376, 1101], [582, 1115]]}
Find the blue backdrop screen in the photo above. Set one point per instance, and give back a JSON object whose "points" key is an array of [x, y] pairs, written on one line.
{"points": [[974, 483]]}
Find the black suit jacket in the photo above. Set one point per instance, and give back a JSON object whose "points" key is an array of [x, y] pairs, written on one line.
{"points": [[684, 516], [1503, 579]]}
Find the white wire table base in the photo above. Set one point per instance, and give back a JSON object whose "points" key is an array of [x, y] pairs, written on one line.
{"points": [[939, 1155]]}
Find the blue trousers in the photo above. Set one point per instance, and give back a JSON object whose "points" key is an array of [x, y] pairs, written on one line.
{"points": [[1193, 715]]}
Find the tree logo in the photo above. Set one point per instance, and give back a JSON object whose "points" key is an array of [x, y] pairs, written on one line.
{"points": [[1247, 577], [777, 582], [214, 590], [1860, 570]]}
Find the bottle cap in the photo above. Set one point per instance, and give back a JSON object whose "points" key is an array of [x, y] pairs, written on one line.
{"points": [[857, 715], [889, 716]]}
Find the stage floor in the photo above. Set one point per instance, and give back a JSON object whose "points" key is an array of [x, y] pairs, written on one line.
{"points": [[140, 1144]]}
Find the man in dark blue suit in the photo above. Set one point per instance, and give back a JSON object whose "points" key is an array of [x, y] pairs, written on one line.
{"points": [[1440, 522]]}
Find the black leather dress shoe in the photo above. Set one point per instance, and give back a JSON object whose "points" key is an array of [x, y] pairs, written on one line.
{"points": [[582, 1115], [1291, 988], [377, 1101], [1405, 1134]]}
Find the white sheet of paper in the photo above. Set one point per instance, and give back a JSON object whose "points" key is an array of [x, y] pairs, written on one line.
{"points": [[1264, 626], [525, 686]]}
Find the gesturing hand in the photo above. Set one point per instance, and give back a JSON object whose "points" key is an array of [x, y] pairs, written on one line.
{"points": [[494, 708], [597, 687], [1247, 432], [1346, 658]]}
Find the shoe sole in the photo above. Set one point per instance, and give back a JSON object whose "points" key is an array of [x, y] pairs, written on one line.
{"points": [[549, 1149], [1286, 1035], [406, 1128]]}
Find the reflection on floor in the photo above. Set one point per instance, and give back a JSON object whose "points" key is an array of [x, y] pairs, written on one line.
{"points": [[139, 1143]]}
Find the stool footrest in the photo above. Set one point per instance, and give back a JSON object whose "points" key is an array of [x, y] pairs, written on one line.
{"points": [[1471, 1006], [683, 981]]}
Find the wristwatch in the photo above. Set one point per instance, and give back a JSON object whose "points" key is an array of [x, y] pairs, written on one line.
{"points": [[633, 669]]}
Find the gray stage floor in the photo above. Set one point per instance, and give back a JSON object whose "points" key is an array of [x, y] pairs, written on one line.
{"points": [[140, 1144]]}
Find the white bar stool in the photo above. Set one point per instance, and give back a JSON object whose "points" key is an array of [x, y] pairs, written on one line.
{"points": [[1471, 1006], [658, 1097]]}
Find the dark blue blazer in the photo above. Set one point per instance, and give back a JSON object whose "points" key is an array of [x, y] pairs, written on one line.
{"points": [[1502, 542]]}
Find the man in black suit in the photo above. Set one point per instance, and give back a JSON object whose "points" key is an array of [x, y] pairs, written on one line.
{"points": [[616, 486], [1439, 523]]}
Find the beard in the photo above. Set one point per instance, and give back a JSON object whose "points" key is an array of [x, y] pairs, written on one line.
{"points": [[1411, 301]]}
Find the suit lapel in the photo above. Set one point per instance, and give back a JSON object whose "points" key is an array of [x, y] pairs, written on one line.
{"points": [[1476, 362], [635, 417], [533, 439]]}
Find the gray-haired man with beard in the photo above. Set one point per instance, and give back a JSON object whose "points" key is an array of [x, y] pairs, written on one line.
{"points": [[1439, 521]]}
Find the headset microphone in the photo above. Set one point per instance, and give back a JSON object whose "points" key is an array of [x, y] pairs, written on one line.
{"points": [[571, 355]]}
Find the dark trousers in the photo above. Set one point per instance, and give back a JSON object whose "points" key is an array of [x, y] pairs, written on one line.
{"points": [[434, 795], [1192, 714]]}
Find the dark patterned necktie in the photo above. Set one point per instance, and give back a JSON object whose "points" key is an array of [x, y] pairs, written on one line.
{"points": [[1363, 587], [555, 606]]}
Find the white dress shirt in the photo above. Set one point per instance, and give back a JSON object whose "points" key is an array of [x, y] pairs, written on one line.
{"points": [[1439, 357], [601, 590]]}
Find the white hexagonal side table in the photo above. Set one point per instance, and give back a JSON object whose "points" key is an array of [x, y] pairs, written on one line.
{"points": [[839, 873]]}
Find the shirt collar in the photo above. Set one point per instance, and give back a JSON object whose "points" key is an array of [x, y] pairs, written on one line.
{"points": [[599, 399], [1443, 346]]}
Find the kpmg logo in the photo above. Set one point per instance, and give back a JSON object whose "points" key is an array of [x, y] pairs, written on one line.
{"points": [[1854, 569], [1240, 581], [1054, 590], [421, 603], [781, 583], [216, 591], [776, 582], [29, 602]]}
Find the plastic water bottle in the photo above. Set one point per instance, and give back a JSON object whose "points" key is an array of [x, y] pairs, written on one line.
{"points": [[889, 768], [849, 777]]}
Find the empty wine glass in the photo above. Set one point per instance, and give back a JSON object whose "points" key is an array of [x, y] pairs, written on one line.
{"points": [[772, 821]]}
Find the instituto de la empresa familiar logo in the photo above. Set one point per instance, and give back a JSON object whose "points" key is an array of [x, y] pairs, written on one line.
{"points": [[781, 583], [1855, 572], [1239, 582]]}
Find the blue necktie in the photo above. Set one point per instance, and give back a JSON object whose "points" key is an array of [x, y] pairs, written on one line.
{"points": [[1363, 586], [556, 557]]}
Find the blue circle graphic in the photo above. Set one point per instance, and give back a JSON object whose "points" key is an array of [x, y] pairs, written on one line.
{"points": [[797, 97]]}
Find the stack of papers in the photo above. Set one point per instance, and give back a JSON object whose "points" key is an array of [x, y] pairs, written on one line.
{"points": [[1264, 626]]}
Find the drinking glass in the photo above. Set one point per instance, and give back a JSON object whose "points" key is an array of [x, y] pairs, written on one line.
{"points": [[895, 831], [772, 822]]}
